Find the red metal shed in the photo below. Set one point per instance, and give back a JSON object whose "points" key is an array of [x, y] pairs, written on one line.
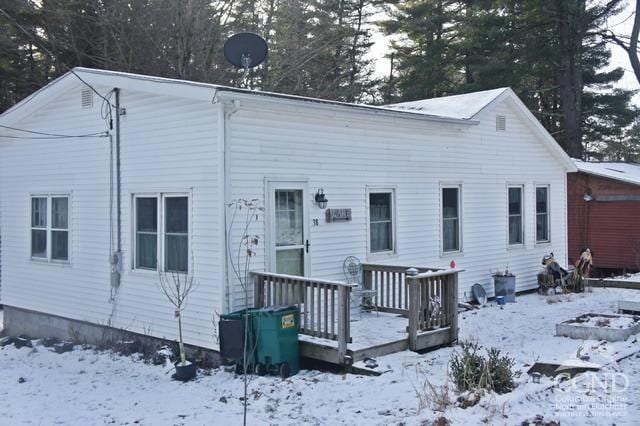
{"points": [[604, 213]]}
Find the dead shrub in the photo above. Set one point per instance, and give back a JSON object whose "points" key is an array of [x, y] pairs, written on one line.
{"points": [[471, 371], [433, 397]]}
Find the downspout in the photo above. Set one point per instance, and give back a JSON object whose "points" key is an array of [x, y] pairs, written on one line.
{"points": [[225, 110], [118, 178], [116, 257]]}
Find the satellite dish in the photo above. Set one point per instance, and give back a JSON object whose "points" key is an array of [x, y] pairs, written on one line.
{"points": [[245, 50]]}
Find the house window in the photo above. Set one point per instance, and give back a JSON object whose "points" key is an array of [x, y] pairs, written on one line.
{"points": [[170, 242], [381, 238], [451, 219], [50, 227], [542, 214], [146, 233], [176, 234], [516, 231]]}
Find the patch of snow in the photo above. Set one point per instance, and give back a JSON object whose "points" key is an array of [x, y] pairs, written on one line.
{"points": [[84, 387], [618, 321], [464, 106], [630, 277], [626, 172]]}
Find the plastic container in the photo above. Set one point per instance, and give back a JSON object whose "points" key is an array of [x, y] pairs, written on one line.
{"points": [[277, 350], [505, 285], [231, 327]]}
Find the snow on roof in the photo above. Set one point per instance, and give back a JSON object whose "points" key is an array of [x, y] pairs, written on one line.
{"points": [[464, 106], [626, 172]]}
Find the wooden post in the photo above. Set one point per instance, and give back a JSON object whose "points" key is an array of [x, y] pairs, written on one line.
{"points": [[414, 307], [343, 323], [367, 278], [258, 291], [453, 307]]}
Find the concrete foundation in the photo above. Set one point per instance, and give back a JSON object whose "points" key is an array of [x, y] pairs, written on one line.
{"points": [[19, 322]]}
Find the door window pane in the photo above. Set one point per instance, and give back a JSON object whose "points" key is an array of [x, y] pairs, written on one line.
{"points": [[289, 222], [39, 243], [176, 244], [542, 214], [59, 212], [146, 232], [381, 222], [450, 219], [290, 262], [515, 216], [60, 245]]}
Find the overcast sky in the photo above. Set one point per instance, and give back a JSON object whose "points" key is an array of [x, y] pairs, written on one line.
{"points": [[620, 24]]}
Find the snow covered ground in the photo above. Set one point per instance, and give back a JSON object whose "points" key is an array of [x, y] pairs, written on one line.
{"points": [[630, 277], [83, 387]]}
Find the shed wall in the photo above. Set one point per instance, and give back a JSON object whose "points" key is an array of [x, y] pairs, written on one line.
{"points": [[611, 229]]}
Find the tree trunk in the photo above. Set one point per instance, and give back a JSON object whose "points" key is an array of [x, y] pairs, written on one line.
{"points": [[633, 43], [570, 36]]}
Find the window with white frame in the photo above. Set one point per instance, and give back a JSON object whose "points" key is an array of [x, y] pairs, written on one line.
{"points": [[146, 229], [381, 221], [168, 242], [50, 227], [516, 223], [542, 214], [451, 218]]}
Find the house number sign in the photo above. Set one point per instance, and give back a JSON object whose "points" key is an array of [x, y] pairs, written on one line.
{"points": [[338, 215]]}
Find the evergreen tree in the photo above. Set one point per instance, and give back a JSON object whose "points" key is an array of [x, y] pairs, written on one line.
{"points": [[548, 52]]}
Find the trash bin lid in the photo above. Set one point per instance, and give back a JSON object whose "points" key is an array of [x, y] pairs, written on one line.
{"points": [[277, 308]]}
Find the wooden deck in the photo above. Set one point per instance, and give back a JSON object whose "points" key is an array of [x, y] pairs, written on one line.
{"points": [[372, 336], [415, 308]]}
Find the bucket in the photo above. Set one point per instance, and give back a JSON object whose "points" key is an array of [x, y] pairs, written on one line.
{"points": [[501, 300], [505, 285]]}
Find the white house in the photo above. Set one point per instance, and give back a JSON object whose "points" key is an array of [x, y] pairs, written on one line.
{"points": [[472, 178]]}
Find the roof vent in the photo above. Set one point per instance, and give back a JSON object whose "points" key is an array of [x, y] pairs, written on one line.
{"points": [[86, 98], [501, 123]]}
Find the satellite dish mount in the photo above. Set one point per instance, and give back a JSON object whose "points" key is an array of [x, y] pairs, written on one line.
{"points": [[246, 51]]}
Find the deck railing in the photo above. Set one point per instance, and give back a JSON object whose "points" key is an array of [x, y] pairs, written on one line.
{"points": [[433, 303], [323, 305], [428, 297], [392, 291]]}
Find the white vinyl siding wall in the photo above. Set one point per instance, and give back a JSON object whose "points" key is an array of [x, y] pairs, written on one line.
{"points": [[346, 153], [169, 145]]}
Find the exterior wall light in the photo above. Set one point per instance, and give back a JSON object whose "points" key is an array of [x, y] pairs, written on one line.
{"points": [[588, 195], [321, 200]]}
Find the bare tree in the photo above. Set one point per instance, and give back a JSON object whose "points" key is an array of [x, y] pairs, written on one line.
{"points": [[245, 213], [628, 43], [177, 287]]}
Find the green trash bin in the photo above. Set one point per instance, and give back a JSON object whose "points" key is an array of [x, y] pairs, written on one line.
{"points": [[276, 330], [231, 329]]}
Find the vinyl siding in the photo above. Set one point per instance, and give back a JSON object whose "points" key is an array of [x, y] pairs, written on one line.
{"points": [[167, 145], [343, 154]]}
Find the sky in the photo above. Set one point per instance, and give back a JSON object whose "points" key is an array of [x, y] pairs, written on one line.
{"points": [[620, 24]]}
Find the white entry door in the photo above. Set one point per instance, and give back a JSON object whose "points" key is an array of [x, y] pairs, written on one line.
{"points": [[288, 241]]}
